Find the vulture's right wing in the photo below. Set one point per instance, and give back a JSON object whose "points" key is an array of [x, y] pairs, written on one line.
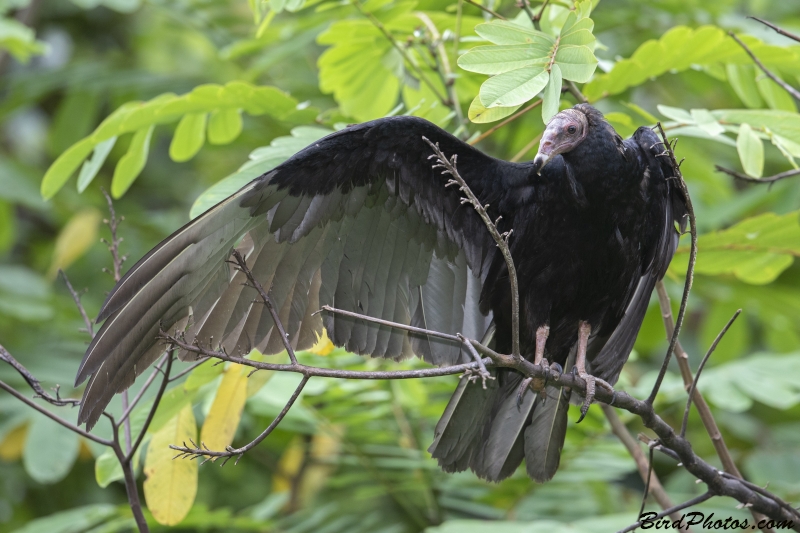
{"points": [[358, 220]]}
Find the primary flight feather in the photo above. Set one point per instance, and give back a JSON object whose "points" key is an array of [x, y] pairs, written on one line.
{"points": [[361, 221]]}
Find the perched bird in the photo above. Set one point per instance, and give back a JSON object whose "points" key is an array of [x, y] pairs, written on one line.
{"points": [[361, 221]]}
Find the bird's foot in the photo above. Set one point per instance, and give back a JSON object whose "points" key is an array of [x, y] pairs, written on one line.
{"points": [[473, 374], [591, 386], [556, 369]]}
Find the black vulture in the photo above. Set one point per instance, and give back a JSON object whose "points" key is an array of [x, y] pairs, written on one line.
{"points": [[360, 221]]}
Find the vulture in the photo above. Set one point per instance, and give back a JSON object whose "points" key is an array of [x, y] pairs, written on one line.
{"points": [[361, 221]]}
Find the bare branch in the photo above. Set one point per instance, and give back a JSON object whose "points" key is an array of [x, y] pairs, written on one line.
{"points": [[781, 31], [700, 369], [486, 9], [146, 385], [34, 383], [268, 302], [238, 452], [77, 299], [412, 329], [786, 87], [694, 501], [182, 373], [52, 416], [687, 286], [769, 179], [501, 239]]}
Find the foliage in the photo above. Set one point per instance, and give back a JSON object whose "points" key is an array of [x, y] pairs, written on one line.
{"points": [[172, 106]]}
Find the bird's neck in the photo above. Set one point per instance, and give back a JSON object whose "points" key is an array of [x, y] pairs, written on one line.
{"points": [[599, 163]]}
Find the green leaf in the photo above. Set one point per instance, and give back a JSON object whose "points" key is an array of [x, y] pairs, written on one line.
{"points": [[775, 95], [552, 94], [751, 151], [706, 122], [577, 62], [73, 521], [50, 450], [766, 378], [478, 114], [205, 373], [107, 469], [7, 226], [63, 167], [506, 32], [189, 137], [513, 88], [499, 59], [756, 250], [132, 163], [19, 40], [261, 160], [743, 80], [224, 126], [91, 167], [676, 114]]}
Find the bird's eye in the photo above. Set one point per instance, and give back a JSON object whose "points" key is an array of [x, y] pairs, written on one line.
{"points": [[571, 129]]}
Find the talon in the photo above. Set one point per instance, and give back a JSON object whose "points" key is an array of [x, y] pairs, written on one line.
{"points": [[523, 388], [555, 367]]}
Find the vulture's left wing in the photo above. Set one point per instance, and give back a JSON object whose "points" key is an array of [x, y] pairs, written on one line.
{"points": [[358, 220]]}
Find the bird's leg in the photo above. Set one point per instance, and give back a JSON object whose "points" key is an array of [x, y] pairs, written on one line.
{"points": [[584, 330], [539, 384]]}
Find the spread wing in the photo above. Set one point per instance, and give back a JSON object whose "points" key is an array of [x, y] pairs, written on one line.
{"points": [[358, 220], [665, 208]]}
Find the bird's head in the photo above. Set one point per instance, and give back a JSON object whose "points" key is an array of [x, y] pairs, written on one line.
{"points": [[565, 131]]}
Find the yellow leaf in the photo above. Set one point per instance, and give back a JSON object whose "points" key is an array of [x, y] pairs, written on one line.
{"points": [[226, 411], [75, 239], [12, 445], [171, 485], [324, 345]]}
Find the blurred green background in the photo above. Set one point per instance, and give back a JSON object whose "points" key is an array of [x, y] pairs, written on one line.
{"points": [[351, 456]]}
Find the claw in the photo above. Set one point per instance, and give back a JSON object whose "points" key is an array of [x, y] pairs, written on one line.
{"points": [[523, 388], [555, 367]]}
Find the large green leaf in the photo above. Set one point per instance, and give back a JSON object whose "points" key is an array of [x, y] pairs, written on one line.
{"points": [[680, 48], [513, 88], [50, 450], [766, 378], [189, 137], [751, 151], [132, 163], [756, 250]]}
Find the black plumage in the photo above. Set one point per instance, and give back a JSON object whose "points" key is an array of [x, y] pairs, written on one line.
{"points": [[360, 221]]}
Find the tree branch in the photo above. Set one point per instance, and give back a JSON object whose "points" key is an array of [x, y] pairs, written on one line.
{"points": [[34, 383], [781, 31], [485, 9], [151, 414], [694, 501], [769, 179], [229, 452], [512, 118], [786, 87]]}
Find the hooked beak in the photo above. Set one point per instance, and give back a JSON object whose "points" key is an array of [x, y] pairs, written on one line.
{"points": [[540, 161]]}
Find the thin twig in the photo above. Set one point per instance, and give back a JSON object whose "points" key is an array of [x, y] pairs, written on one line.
{"points": [[700, 370], [386, 33], [268, 302], [642, 464], [655, 516], [574, 91], [439, 54], [687, 286], [486, 9], [769, 179], [52, 416], [182, 373], [152, 412], [765, 492], [230, 451], [783, 32], [412, 329], [786, 87], [77, 299], [512, 118], [501, 239], [145, 386], [528, 147], [34, 383]]}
